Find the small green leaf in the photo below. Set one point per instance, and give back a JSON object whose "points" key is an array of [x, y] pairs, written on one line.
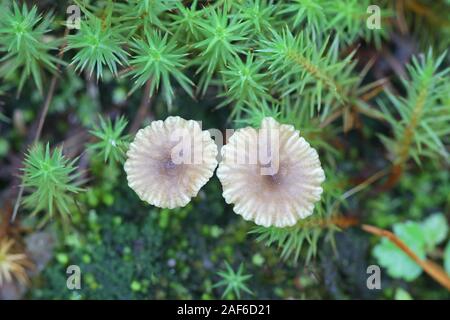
{"points": [[398, 264], [447, 258], [435, 230], [258, 260], [136, 286], [401, 294]]}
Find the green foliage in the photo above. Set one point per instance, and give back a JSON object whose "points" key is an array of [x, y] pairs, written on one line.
{"points": [[401, 294], [4, 118], [289, 240], [246, 83], [419, 237], [310, 12], [435, 230], [419, 197], [157, 59], [156, 254], [424, 117], [112, 143], [447, 258], [398, 264], [133, 260], [233, 281], [259, 14], [313, 64], [145, 14], [52, 180], [186, 21], [4, 147], [308, 71], [22, 38], [222, 40], [347, 18], [98, 44]]}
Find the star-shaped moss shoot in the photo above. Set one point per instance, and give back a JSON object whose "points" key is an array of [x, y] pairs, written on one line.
{"points": [[13, 265], [169, 161], [271, 174]]}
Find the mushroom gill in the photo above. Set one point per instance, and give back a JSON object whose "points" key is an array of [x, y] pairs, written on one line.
{"points": [[271, 175], [169, 161]]}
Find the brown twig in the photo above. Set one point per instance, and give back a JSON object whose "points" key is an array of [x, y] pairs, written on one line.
{"points": [[422, 10], [143, 110], [42, 116], [401, 21], [394, 176], [433, 270], [342, 222], [6, 212], [373, 178], [406, 141]]}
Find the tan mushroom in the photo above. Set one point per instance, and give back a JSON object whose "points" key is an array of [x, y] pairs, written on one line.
{"points": [[273, 190], [169, 161]]}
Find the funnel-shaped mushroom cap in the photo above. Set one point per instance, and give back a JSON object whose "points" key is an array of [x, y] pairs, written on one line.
{"points": [[275, 183], [169, 161]]}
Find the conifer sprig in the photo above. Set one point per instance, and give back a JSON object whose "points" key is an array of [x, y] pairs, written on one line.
{"points": [[26, 47], [260, 15], [186, 21], [139, 16], [112, 142], [346, 18], [420, 120], [51, 179], [158, 60], [313, 73], [223, 38], [98, 44], [245, 83]]}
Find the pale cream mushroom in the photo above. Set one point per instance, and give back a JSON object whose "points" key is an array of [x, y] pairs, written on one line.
{"points": [[273, 190], [169, 161]]}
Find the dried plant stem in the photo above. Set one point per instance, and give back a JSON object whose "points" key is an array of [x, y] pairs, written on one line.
{"points": [[44, 109], [316, 73], [37, 136], [406, 141], [422, 10], [364, 184], [340, 221], [433, 270], [6, 211], [143, 109], [400, 13], [42, 115], [394, 177]]}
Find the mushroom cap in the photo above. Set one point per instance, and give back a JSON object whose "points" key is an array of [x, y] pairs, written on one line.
{"points": [[279, 190], [169, 161]]}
